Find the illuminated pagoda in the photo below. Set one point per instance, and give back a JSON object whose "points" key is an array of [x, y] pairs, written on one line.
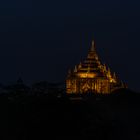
{"points": [[92, 77]]}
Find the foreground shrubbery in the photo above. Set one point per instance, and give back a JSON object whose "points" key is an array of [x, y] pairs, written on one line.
{"points": [[54, 116]]}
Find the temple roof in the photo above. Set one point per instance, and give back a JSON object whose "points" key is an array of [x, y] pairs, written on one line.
{"points": [[92, 63], [91, 67]]}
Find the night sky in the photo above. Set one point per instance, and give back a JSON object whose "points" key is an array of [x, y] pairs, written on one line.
{"points": [[41, 40]]}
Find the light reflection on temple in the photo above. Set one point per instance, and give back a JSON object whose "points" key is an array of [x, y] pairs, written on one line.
{"points": [[91, 76]]}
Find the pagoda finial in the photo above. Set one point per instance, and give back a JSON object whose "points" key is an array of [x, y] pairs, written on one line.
{"points": [[93, 46], [75, 69]]}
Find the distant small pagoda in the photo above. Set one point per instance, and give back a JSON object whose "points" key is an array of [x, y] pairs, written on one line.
{"points": [[91, 76]]}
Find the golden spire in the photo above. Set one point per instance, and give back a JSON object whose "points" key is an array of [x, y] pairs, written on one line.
{"points": [[80, 65], [92, 53], [93, 46]]}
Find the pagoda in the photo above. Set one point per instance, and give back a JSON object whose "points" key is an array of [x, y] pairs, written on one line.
{"points": [[91, 76]]}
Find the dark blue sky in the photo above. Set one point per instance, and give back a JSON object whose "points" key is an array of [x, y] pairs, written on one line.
{"points": [[41, 40]]}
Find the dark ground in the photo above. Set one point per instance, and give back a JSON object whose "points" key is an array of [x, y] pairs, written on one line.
{"points": [[42, 117]]}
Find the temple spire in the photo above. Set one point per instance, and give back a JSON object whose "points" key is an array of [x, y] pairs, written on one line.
{"points": [[93, 46], [80, 65]]}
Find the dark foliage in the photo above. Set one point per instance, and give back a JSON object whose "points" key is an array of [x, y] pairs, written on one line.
{"points": [[55, 116]]}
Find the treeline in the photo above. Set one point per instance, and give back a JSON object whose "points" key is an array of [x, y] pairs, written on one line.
{"points": [[43, 111]]}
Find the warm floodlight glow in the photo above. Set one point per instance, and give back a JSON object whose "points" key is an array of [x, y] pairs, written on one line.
{"points": [[86, 75], [92, 76]]}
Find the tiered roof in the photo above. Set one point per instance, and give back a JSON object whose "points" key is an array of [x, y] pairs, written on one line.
{"points": [[92, 67]]}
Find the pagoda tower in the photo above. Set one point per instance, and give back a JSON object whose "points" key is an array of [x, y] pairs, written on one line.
{"points": [[91, 76]]}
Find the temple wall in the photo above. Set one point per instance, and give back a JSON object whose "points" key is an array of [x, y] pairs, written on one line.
{"points": [[84, 85]]}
